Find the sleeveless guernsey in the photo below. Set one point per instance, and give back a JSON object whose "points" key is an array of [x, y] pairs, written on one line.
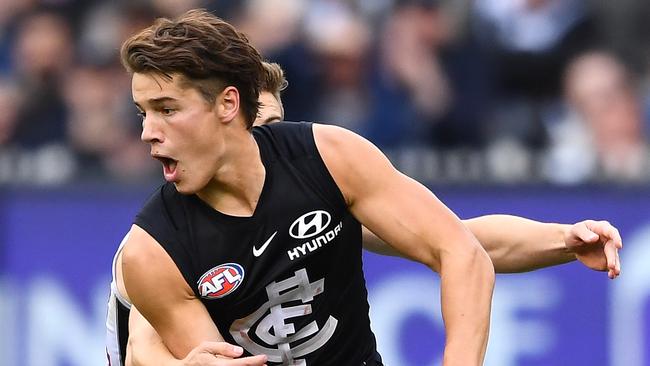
{"points": [[287, 281]]}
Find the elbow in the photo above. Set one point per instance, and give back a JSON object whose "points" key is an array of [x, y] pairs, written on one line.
{"points": [[480, 260], [472, 260], [481, 269]]}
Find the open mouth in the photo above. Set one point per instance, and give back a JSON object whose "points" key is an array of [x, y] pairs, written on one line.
{"points": [[169, 167]]}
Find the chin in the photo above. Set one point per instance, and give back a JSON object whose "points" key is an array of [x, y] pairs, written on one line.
{"points": [[184, 188], [190, 186]]}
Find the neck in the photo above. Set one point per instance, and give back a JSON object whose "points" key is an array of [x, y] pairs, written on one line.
{"points": [[238, 182]]}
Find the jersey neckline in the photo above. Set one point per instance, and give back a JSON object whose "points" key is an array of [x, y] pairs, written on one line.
{"points": [[261, 203]]}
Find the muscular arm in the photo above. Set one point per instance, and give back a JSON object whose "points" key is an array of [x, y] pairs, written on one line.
{"points": [[516, 244], [417, 224], [157, 289], [146, 348]]}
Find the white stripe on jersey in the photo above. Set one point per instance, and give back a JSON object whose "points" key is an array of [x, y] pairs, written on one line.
{"points": [[115, 358]]}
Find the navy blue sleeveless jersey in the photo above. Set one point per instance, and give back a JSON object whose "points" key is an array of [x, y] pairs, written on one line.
{"points": [[287, 281]]}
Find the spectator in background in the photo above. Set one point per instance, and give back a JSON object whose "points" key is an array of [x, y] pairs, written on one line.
{"points": [[9, 11], [10, 99], [340, 40], [626, 29], [411, 85], [429, 87], [105, 25], [175, 7], [606, 137], [105, 142], [103, 128], [275, 27], [528, 43], [9, 102], [404, 73], [43, 53]]}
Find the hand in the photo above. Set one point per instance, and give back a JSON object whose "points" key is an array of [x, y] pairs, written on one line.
{"points": [[596, 245], [220, 354]]}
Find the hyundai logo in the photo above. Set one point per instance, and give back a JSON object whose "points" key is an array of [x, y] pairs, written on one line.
{"points": [[310, 224]]}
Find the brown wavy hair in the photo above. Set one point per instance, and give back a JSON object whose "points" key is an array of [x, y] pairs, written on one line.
{"points": [[273, 80], [209, 54]]}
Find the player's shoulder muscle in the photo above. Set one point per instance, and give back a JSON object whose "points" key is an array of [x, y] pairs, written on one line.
{"points": [[354, 162], [145, 263]]}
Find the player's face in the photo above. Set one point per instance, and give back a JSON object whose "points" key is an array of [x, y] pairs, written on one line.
{"points": [[182, 128], [270, 110]]}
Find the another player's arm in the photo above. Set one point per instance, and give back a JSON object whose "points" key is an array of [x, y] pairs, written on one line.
{"points": [[516, 244], [146, 348], [157, 289], [417, 224]]}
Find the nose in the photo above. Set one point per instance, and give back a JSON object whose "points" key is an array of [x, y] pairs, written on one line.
{"points": [[151, 132]]}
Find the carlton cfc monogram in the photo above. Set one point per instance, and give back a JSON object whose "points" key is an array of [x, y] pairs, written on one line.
{"points": [[271, 327]]}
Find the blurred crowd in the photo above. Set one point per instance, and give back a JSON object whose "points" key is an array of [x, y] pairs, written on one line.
{"points": [[551, 91]]}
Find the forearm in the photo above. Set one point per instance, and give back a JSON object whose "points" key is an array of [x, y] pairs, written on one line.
{"points": [[145, 347], [150, 354], [516, 244], [467, 283]]}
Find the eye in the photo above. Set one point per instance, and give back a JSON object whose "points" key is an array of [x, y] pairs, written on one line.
{"points": [[142, 115], [166, 111]]}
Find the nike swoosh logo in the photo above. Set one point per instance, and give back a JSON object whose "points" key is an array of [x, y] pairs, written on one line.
{"points": [[258, 252]]}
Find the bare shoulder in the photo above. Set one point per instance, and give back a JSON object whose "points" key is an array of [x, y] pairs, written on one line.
{"points": [[354, 162], [163, 297], [334, 141], [144, 260], [140, 248]]}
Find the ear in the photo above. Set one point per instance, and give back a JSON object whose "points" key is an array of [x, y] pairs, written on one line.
{"points": [[228, 104]]}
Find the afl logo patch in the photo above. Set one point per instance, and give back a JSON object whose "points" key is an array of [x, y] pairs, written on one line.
{"points": [[221, 280], [310, 224]]}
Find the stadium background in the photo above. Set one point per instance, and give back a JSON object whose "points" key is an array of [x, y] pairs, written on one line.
{"points": [[482, 100]]}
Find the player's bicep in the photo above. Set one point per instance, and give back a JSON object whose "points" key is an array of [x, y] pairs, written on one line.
{"points": [[157, 288], [410, 218], [398, 209]]}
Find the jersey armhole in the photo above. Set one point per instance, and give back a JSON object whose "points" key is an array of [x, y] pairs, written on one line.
{"points": [[114, 287], [175, 254], [308, 134]]}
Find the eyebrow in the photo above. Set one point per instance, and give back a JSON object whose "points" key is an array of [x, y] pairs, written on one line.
{"points": [[156, 101]]}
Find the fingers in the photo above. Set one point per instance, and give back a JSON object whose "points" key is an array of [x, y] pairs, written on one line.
{"points": [[615, 269], [221, 349], [584, 232], [604, 228], [259, 360], [612, 244], [613, 260], [229, 351]]}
